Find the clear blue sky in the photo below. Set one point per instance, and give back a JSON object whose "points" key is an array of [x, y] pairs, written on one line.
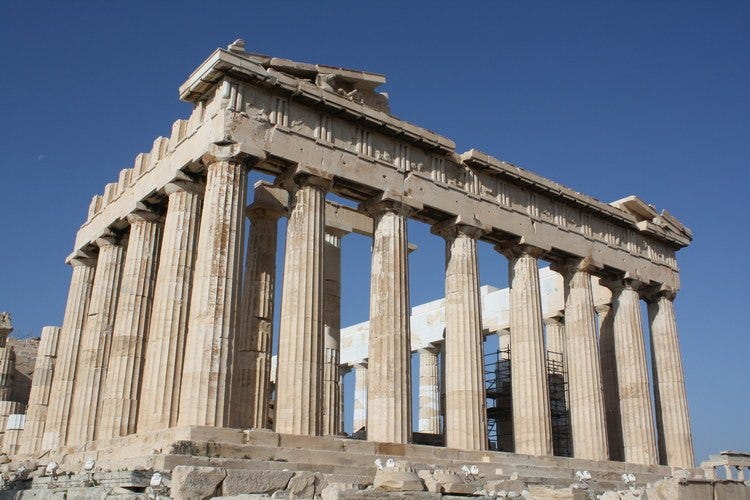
{"points": [[611, 99]]}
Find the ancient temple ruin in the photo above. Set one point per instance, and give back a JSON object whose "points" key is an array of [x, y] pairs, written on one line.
{"points": [[168, 327]]}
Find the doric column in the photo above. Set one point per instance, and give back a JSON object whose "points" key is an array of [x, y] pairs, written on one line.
{"points": [[360, 397], [123, 380], [429, 391], [343, 370], [465, 401], [95, 342], [252, 356], [554, 327], [389, 346], [672, 419], [76, 311], [586, 398], [165, 345], [7, 371], [532, 428], [41, 386], [214, 311], [608, 362], [632, 375], [299, 383], [331, 331]]}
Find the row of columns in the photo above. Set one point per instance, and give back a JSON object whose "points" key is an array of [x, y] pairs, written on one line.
{"points": [[172, 312]]}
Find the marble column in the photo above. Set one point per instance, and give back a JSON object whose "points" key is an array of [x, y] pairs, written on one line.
{"points": [[122, 384], [95, 342], [7, 371], [532, 427], [165, 345], [41, 387], [252, 357], [360, 397], [214, 303], [632, 375], [343, 370], [465, 400], [608, 362], [429, 391], [76, 311], [389, 347], [586, 398], [299, 383], [331, 331], [554, 328], [672, 419]]}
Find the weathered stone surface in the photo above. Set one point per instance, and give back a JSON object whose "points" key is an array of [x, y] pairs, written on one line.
{"points": [[398, 478], [254, 481], [302, 485], [196, 483]]}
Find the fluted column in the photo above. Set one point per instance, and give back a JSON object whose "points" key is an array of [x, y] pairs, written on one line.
{"points": [[252, 357], [532, 428], [299, 383], [343, 370], [429, 391], [389, 347], [165, 345], [586, 400], [360, 397], [95, 342], [672, 418], [41, 387], [632, 375], [465, 401], [215, 298], [7, 371], [76, 311], [610, 390], [121, 389], [331, 331], [554, 328]]}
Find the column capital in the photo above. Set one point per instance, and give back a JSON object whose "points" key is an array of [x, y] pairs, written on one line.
{"points": [[557, 319], [652, 293], [390, 201], [513, 249], [80, 258], [603, 308], [145, 215], [230, 152], [264, 211], [452, 228], [305, 175], [569, 265], [430, 349], [616, 284], [107, 239], [179, 185]]}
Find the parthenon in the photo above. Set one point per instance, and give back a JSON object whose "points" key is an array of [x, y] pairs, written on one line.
{"points": [[168, 330]]}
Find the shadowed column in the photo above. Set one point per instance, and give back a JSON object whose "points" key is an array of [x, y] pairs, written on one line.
{"points": [[95, 342], [162, 370], [532, 427], [252, 357], [299, 383], [610, 390], [429, 391], [672, 419], [214, 304], [76, 311], [122, 383], [331, 331]]}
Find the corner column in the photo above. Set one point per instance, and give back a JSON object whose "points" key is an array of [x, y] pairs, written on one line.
{"points": [[61, 394], [588, 423], [41, 387], [214, 311], [672, 418], [299, 382], [95, 342], [532, 426], [252, 357], [632, 374], [608, 362], [165, 345], [331, 331], [389, 347], [429, 391], [122, 384], [465, 400]]}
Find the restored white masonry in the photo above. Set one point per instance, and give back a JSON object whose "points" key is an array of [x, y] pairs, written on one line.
{"points": [[169, 319]]}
